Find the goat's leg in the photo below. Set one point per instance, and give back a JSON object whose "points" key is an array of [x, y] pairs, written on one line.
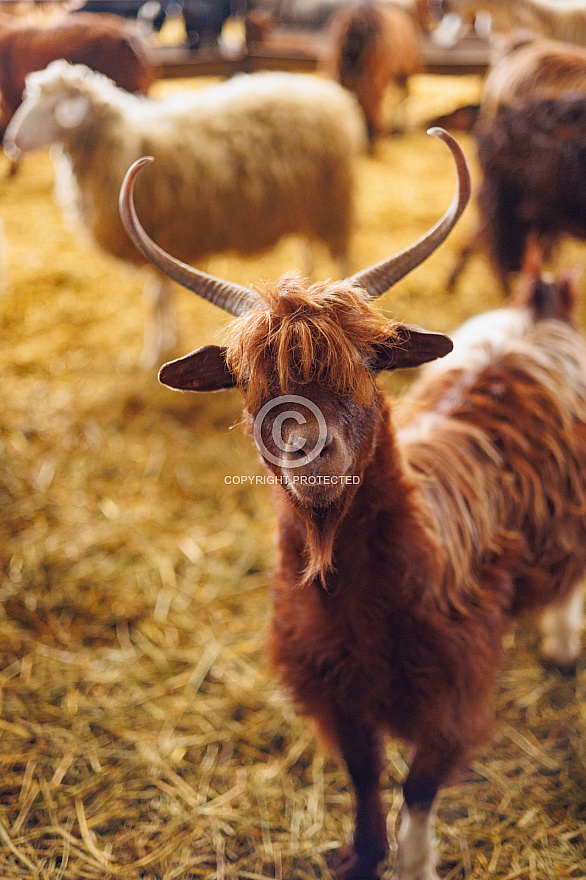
{"points": [[561, 629], [160, 329], [361, 748], [417, 856], [417, 845]]}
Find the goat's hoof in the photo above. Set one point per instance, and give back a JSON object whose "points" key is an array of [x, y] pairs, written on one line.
{"points": [[426, 872], [561, 657], [424, 869], [349, 867], [567, 667]]}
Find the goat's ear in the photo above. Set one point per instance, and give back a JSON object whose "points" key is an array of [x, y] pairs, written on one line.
{"points": [[411, 347], [202, 370]]}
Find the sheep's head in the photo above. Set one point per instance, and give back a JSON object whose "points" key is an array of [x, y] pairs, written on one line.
{"points": [[306, 358], [56, 100]]}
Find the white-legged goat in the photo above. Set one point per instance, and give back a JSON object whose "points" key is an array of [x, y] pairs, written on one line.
{"points": [[413, 534]]}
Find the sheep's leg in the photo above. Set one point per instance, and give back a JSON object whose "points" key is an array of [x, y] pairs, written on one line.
{"points": [[14, 167], [471, 246], [400, 118], [160, 329], [308, 260], [339, 255], [361, 748], [561, 629], [345, 269]]}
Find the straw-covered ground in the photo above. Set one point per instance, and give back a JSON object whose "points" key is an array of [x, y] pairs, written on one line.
{"points": [[141, 733]]}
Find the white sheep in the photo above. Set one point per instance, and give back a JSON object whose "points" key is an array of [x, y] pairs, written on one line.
{"points": [[239, 165]]}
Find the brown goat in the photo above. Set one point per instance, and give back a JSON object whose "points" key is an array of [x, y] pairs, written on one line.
{"points": [[373, 44], [410, 536], [105, 43]]}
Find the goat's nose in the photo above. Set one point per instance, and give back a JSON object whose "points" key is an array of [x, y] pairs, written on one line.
{"points": [[308, 446], [329, 447], [306, 441]]}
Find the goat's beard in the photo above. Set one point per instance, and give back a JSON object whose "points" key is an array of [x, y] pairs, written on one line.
{"points": [[321, 525], [318, 499]]}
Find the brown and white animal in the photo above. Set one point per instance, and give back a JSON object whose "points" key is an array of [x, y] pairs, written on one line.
{"points": [[240, 165], [565, 21], [530, 153], [106, 43], [373, 45], [411, 534]]}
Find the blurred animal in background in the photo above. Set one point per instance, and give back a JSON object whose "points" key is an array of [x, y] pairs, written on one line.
{"points": [[526, 69], [39, 9], [565, 21], [3, 270], [204, 20], [411, 534], [548, 170], [461, 119], [304, 13], [103, 42], [373, 44], [319, 13], [533, 162], [239, 166]]}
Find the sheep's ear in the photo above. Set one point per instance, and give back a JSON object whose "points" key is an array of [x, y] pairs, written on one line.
{"points": [[202, 370], [411, 347]]}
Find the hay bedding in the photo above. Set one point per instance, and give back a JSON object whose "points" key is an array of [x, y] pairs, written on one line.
{"points": [[141, 735]]}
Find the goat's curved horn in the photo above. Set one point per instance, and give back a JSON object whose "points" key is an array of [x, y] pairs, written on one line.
{"points": [[228, 296], [378, 278]]}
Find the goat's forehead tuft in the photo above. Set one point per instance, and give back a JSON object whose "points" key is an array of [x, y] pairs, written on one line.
{"points": [[299, 334], [291, 296]]}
